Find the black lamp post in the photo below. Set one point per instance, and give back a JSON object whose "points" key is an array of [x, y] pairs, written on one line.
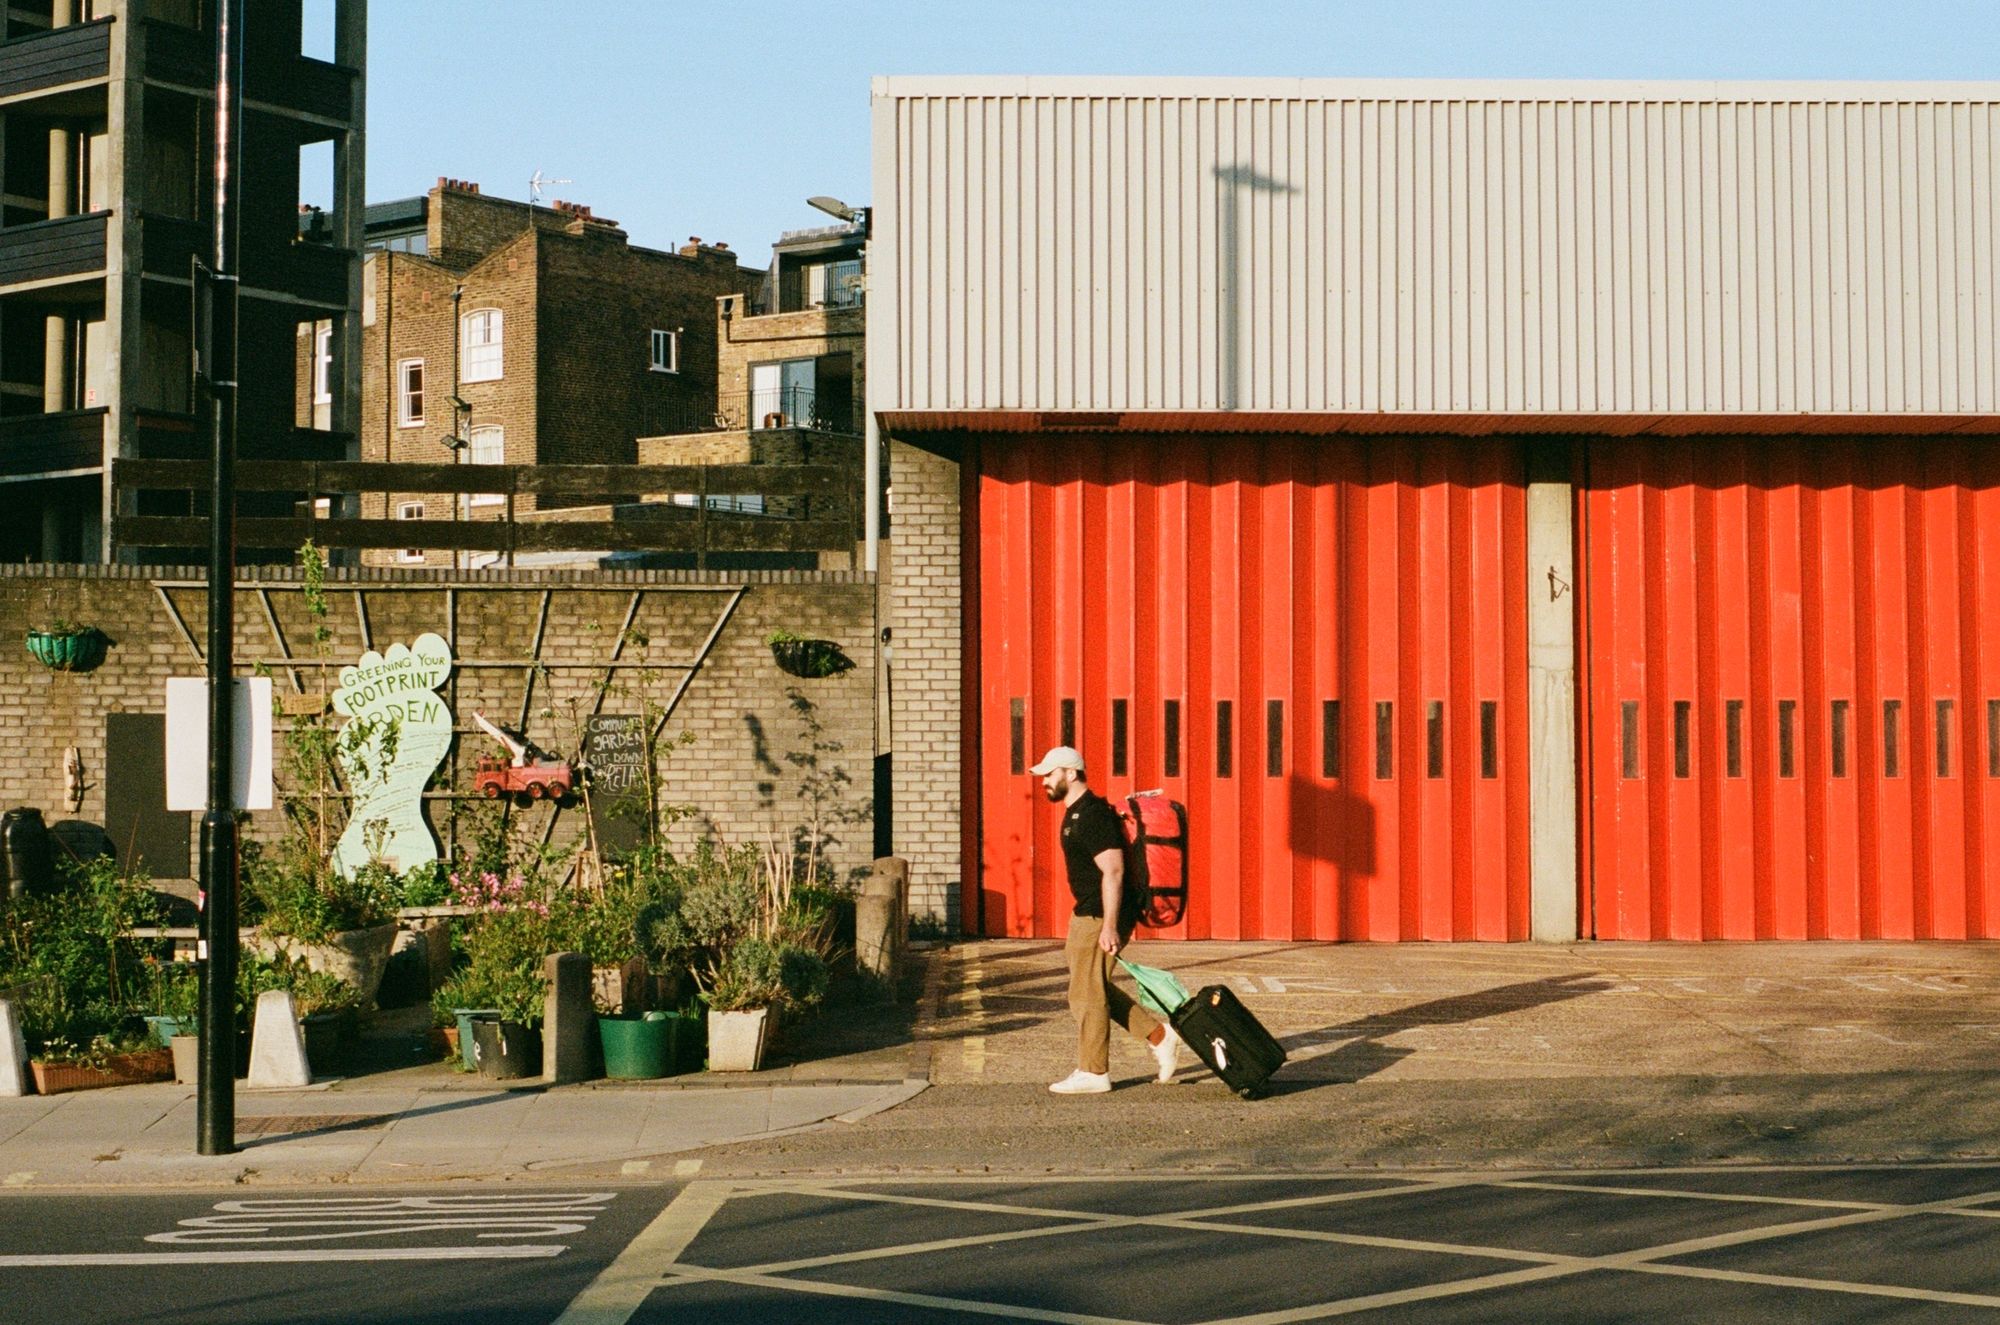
{"points": [[215, 1107]]}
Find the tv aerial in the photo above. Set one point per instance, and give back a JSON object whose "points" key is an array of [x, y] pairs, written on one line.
{"points": [[538, 181]]}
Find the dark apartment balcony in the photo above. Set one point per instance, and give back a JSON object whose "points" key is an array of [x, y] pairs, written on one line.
{"points": [[313, 272], [48, 250], [316, 273], [185, 56], [164, 436], [75, 54], [168, 244], [178, 54], [51, 443], [313, 86]]}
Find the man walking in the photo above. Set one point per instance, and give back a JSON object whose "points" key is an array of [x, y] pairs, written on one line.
{"points": [[1093, 843]]}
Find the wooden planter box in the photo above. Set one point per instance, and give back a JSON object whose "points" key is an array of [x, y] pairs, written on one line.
{"points": [[119, 1070]]}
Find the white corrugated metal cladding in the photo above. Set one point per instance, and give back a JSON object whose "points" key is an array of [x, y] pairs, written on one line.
{"points": [[1130, 244]]}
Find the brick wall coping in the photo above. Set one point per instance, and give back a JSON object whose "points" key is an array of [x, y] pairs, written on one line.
{"points": [[415, 578]]}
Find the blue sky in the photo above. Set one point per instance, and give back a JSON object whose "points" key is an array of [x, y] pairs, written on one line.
{"points": [[717, 119]]}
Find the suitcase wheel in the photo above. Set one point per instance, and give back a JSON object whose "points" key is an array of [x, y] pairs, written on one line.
{"points": [[1251, 1092]]}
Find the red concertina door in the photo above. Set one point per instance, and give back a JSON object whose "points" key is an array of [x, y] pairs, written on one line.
{"points": [[1318, 645], [1793, 681]]}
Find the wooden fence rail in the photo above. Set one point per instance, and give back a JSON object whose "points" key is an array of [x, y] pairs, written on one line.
{"points": [[652, 508]]}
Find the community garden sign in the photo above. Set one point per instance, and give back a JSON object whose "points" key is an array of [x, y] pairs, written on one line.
{"points": [[398, 731]]}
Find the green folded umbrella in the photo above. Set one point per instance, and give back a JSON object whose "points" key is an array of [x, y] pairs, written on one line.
{"points": [[1158, 989]]}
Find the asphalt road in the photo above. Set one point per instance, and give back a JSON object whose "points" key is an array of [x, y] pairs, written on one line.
{"points": [[1772, 1245]]}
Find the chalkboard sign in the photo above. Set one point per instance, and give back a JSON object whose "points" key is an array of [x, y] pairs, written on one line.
{"points": [[614, 745]]}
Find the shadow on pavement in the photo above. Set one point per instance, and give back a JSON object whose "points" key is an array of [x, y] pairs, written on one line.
{"points": [[1362, 1052]]}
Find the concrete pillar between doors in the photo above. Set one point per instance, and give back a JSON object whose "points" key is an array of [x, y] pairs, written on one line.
{"points": [[1552, 697]]}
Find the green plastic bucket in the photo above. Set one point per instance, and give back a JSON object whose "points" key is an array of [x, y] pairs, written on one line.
{"points": [[637, 1050]]}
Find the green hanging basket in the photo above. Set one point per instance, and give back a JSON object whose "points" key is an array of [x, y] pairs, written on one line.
{"points": [[809, 658], [68, 650]]}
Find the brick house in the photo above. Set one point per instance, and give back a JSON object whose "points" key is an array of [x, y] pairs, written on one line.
{"points": [[561, 342]]}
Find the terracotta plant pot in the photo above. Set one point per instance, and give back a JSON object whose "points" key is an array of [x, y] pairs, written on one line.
{"points": [[118, 1070]]}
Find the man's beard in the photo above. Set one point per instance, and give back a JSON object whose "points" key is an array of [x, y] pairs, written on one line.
{"points": [[1053, 793]]}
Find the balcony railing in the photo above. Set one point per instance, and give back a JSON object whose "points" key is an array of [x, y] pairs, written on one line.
{"points": [[78, 53], [801, 407], [49, 250], [59, 443]]}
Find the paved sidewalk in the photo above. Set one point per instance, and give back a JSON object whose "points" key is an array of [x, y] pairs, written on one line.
{"points": [[365, 1132], [1462, 1012]]}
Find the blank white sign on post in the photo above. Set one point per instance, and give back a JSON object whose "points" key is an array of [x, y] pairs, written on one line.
{"points": [[187, 744]]}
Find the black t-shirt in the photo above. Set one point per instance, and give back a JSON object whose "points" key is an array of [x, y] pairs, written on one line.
{"points": [[1091, 826]]}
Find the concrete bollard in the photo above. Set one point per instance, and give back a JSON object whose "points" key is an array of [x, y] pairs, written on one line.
{"points": [[277, 1045], [568, 1021], [882, 918], [13, 1052]]}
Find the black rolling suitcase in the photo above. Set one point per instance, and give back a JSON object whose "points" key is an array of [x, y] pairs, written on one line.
{"points": [[1233, 1043]]}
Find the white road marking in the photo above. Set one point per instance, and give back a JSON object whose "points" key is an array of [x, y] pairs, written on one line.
{"points": [[344, 1218], [686, 1168], [623, 1286], [970, 1306], [302, 1256]]}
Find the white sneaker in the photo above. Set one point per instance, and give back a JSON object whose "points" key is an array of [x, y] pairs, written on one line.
{"points": [[1165, 1053], [1081, 1082]]}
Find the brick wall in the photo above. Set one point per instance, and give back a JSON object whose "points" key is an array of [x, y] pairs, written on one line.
{"points": [[927, 704], [600, 302], [737, 773]]}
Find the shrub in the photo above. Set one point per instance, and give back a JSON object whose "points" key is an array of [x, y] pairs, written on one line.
{"points": [[310, 903]]}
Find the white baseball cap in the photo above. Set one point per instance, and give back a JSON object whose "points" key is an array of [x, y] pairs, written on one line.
{"points": [[1060, 756]]}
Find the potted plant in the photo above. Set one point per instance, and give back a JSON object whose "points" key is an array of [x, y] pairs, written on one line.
{"points": [[510, 1045], [741, 995], [174, 995], [343, 926], [460, 1001], [327, 1007], [801, 656], [68, 646], [123, 1058]]}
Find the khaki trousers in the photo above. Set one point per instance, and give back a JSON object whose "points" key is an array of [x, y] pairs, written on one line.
{"points": [[1094, 1001]]}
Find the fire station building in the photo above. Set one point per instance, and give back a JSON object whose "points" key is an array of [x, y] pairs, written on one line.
{"points": [[1498, 511]]}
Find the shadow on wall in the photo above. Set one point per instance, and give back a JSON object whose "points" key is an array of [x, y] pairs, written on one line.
{"points": [[1332, 824], [1242, 183]]}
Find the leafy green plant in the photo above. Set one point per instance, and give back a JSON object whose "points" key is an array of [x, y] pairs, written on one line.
{"points": [[467, 988], [75, 974], [173, 989], [521, 996], [306, 900], [315, 992], [429, 884]]}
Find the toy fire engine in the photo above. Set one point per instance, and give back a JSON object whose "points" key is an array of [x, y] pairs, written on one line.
{"points": [[524, 773]]}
